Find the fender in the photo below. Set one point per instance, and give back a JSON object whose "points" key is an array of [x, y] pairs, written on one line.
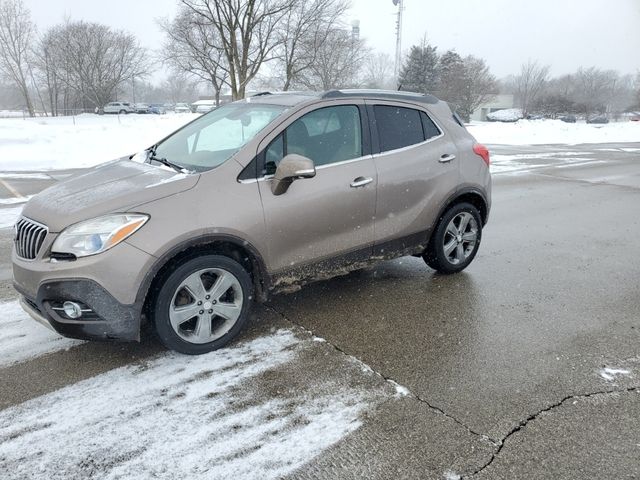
{"points": [[262, 281]]}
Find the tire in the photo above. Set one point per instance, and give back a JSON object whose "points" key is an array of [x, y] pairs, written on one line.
{"points": [[186, 326], [449, 250], [122, 112]]}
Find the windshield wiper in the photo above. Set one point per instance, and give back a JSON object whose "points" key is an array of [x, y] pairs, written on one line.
{"points": [[178, 168]]}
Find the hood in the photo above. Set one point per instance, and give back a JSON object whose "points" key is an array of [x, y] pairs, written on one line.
{"points": [[111, 187]]}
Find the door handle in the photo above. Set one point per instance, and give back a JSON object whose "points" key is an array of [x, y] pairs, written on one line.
{"points": [[361, 182], [447, 157]]}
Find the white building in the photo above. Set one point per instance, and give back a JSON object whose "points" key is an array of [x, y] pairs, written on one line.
{"points": [[499, 102]]}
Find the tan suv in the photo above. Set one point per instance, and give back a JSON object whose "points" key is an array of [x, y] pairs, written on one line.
{"points": [[256, 197]]}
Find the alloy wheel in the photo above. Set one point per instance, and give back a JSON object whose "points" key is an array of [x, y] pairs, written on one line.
{"points": [[206, 305]]}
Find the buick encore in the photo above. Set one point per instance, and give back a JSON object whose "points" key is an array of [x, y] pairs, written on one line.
{"points": [[254, 198]]}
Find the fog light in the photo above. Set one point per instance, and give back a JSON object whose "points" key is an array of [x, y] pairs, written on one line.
{"points": [[72, 309]]}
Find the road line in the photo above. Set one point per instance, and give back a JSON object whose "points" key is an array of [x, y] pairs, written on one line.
{"points": [[12, 190]]}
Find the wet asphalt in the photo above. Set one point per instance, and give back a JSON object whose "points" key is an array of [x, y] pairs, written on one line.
{"points": [[504, 363]]}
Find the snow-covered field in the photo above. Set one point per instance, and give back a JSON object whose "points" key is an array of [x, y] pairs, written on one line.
{"points": [[22, 338], [179, 416], [58, 143], [543, 132]]}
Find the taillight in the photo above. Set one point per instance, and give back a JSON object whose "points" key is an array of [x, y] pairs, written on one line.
{"points": [[483, 152]]}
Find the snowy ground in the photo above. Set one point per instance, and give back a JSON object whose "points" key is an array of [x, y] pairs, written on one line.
{"points": [[82, 141], [179, 416], [544, 132], [22, 338]]}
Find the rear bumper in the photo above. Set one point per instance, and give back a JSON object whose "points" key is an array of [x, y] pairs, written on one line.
{"points": [[106, 318]]}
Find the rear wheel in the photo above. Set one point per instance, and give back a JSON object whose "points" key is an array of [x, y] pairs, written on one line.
{"points": [[122, 112], [456, 240], [203, 304]]}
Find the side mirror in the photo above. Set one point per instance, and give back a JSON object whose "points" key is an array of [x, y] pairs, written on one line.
{"points": [[292, 167]]}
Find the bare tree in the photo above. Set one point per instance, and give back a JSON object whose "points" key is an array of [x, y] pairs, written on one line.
{"points": [[378, 71], [16, 32], [530, 83], [594, 89], [193, 46], [94, 61], [338, 62], [247, 32], [478, 87], [307, 22], [179, 87]]}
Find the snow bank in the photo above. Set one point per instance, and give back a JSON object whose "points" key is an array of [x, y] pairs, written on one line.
{"points": [[58, 143], [506, 115], [180, 416], [540, 132], [22, 338]]}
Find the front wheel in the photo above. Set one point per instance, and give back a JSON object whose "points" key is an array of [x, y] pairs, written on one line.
{"points": [[203, 304], [456, 239]]}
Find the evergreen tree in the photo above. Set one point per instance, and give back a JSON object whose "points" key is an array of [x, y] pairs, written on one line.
{"points": [[420, 70], [452, 77]]}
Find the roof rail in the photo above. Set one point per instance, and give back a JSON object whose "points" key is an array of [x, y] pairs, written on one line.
{"points": [[261, 94], [394, 94]]}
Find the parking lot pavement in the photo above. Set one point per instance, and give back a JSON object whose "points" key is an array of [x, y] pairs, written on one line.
{"points": [[526, 365]]}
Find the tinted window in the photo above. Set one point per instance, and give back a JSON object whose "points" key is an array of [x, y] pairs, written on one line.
{"points": [[327, 135], [430, 129], [398, 127]]}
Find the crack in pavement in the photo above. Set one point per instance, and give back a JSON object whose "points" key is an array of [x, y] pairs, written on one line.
{"points": [[523, 423], [389, 380], [497, 444]]}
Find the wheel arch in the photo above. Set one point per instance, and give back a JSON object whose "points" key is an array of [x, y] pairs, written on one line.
{"points": [[470, 195], [233, 247]]}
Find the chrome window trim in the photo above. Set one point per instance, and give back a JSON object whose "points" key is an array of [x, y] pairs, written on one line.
{"points": [[409, 147]]}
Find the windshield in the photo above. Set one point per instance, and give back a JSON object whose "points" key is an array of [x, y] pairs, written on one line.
{"points": [[215, 137]]}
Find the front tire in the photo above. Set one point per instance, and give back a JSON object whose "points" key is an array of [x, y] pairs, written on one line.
{"points": [[203, 304], [456, 239]]}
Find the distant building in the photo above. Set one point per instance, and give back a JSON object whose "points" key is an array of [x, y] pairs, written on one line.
{"points": [[499, 102]]}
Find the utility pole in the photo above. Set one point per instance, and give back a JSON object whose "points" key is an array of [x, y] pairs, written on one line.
{"points": [[400, 5]]}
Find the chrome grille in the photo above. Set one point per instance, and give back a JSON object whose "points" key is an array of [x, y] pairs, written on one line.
{"points": [[29, 238]]}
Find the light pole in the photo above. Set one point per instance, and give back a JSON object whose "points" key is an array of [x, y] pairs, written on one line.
{"points": [[396, 70]]}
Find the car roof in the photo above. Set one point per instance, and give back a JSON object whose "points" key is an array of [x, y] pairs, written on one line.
{"points": [[294, 98]]}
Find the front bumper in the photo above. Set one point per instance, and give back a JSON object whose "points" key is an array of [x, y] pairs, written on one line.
{"points": [[105, 319]]}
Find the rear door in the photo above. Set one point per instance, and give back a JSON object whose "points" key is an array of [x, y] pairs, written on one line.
{"points": [[417, 170], [330, 216]]}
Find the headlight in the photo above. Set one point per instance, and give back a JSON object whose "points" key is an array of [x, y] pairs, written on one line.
{"points": [[98, 234]]}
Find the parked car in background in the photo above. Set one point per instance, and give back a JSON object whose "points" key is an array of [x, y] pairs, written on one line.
{"points": [[157, 108], [634, 117], [568, 118], [118, 107], [182, 108], [600, 119], [204, 108], [321, 184], [141, 107]]}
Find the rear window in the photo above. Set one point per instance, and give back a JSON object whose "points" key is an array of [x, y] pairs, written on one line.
{"points": [[398, 127], [430, 128]]}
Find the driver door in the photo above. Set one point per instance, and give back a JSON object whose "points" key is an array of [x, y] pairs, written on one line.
{"points": [[330, 216]]}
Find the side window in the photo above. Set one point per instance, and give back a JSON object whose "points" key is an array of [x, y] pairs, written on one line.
{"points": [[273, 154], [398, 127], [327, 135], [430, 129]]}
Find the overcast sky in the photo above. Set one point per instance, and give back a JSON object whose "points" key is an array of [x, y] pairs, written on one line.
{"points": [[566, 34]]}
